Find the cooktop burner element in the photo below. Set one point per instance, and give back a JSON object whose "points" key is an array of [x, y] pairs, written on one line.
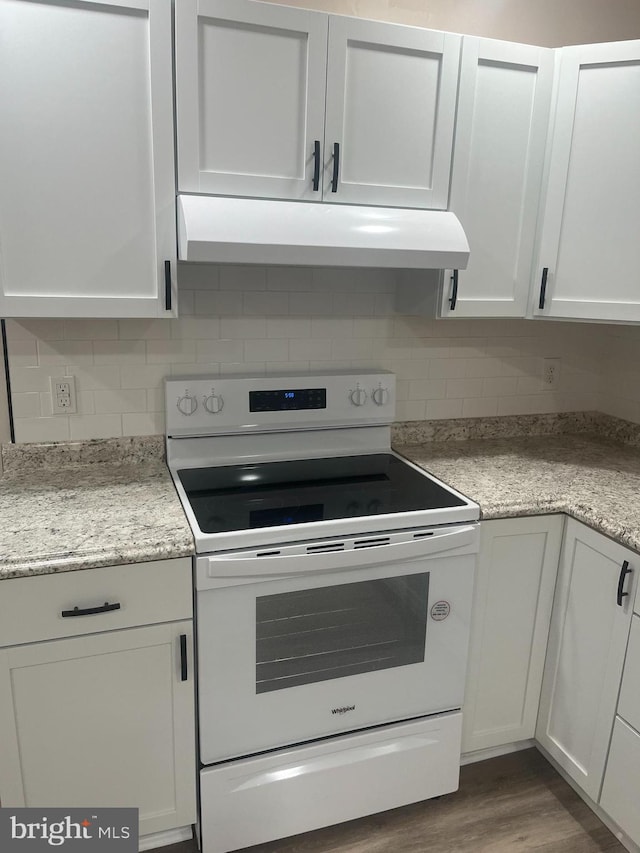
{"points": [[239, 497]]}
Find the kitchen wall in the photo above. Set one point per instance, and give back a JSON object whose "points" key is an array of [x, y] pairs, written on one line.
{"points": [[550, 23], [266, 320]]}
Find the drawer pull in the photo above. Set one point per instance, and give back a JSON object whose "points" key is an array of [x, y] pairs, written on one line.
{"points": [[624, 571], [183, 658], [89, 611]]}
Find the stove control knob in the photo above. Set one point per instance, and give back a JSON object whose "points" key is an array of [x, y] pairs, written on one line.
{"points": [[213, 403], [358, 397], [187, 404], [380, 396]]}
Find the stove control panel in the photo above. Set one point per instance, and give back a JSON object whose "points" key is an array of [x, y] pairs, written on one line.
{"points": [[201, 405]]}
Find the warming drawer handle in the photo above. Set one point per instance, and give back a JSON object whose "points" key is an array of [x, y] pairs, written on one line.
{"points": [[624, 571], [89, 611], [226, 565]]}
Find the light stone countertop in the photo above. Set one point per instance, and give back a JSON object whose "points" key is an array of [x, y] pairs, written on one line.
{"points": [[84, 505], [592, 479]]}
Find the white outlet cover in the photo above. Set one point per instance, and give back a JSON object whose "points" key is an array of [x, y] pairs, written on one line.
{"points": [[63, 395]]}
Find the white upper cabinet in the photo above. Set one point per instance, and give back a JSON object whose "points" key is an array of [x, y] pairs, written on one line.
{"points": [[87, 182], [590, 251], [391, 97], [250, 81], [501, 129], [251, 85]]}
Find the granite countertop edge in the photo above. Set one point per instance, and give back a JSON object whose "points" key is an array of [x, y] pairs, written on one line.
{"points": [[57, 500]]}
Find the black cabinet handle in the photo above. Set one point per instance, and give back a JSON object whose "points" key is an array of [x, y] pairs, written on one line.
{"points": [[454, 290], [316, 166], [624, 571], [543, 288], [336, 166], [183, 657], [89, 611], [167, 285]]}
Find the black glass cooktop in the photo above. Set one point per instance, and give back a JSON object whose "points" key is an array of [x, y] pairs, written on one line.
{"points": [[241, 497]]}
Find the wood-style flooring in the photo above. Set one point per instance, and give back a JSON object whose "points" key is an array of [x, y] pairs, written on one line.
{"points": [[510, 804]]}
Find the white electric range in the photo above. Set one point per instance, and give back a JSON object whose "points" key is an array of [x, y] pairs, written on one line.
{"points": [[333, 595]]}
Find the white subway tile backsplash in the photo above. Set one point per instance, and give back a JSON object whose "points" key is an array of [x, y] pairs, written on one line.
{"points": [[173, 351], [147, 423], [441, 409], [264, 320], [464, 388], [43, 330], [312, 349], [83, 427], [266, 303], [243, 278], [65, 352], [290, 279], [220, 350], [218, 302], [26, 405], [119, 352], [90, 330], [120, 400], [139, 330], [42, 429], [266, 349], [289, 327]]}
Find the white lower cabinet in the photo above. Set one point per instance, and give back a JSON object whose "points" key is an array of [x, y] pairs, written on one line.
{"points": [[587, 643], [511, 612], [622, 777], [106, 718]]}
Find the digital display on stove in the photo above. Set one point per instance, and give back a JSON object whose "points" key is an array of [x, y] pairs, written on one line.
{"points": [[286, 400]]}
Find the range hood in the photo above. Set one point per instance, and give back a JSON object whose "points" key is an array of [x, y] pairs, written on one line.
{"points": [[256, 231]]}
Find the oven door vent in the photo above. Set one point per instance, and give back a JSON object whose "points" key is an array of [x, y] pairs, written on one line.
{"points": [[423, 535], [268, 553], [371, 543], [325, 548]]}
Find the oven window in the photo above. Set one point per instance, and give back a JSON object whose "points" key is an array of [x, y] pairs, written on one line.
{"points": [[332, 632]]}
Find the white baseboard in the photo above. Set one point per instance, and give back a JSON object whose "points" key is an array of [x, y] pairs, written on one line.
{"points": [[163, 839], [495, 751]]}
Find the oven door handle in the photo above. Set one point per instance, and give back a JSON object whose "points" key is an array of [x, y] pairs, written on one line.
{"points": [[273, 563]]}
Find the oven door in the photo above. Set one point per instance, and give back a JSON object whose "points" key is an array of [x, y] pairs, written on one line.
{"points": [[303, 641]]}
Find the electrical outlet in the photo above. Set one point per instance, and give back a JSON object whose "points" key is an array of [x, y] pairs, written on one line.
{"points": [[63, 395], [551, 371]]}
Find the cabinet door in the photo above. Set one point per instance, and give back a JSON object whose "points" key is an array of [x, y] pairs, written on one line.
{"points": [[622, 780], [101, 720], [250, 81], [87, 207], [590, 248], [501, 129], [391, 96], [511, 612], [587, 643]]}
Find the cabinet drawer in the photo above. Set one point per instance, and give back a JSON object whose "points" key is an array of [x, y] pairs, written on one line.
{"points": [[31, 608], [629, 704], [622, 780]]}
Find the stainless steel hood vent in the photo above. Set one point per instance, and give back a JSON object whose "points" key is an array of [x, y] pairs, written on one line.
{"points": [[250, 231]]}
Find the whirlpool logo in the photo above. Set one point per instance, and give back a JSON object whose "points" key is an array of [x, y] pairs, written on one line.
{"points": [[344, 710]]}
